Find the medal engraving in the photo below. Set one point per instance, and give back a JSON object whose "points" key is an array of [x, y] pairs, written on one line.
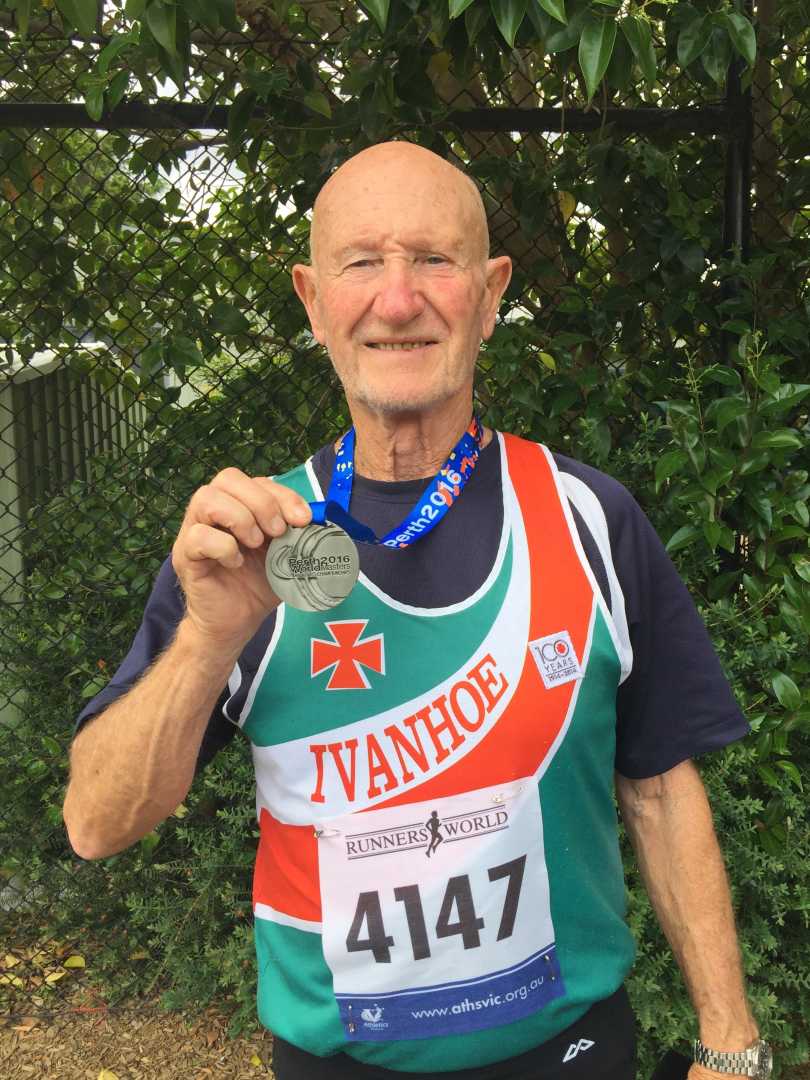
{"points": [[312, 568]]}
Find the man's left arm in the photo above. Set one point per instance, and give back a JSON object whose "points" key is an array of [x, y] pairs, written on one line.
{"points": [[669, 822]]}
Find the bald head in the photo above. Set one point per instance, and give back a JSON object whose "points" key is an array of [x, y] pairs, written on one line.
{"points": [[417, 176]]}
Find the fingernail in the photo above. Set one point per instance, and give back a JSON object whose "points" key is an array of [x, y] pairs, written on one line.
{"points": [[278, 524], [256, 535]]}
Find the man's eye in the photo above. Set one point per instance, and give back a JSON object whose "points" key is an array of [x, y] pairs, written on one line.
{"points": [[435, 260], [361, 264]]}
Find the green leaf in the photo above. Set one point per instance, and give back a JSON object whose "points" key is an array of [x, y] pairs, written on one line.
{"points": [[801, 513], [742, 35], [226, 318], [682, 538], [717, 55], [52, 745], [754, 463], [723, 375], [319, 103], [240, 113], [565, 37], [112, 49], [595, 50], [149, 843], [782, 439], [763, 507], [205, 12], [23, 16], [727, 539], [786, 690], [547, 360], [91, 688], [773, 839], [75, 13], [692, 255], [667, 465], [475, 19], [378, 9], [724, 410], [737, 326], [693, 39], [712, 530], [790, 770], [601, 440], [94, 102], [162, 22], [786, 397], [555, 8], [117, 88], [639, 37], [563, 400], [458, 7], [769, 775], [619, 72], [182, 353], [267, 83], [509, 14], [723, 584]]}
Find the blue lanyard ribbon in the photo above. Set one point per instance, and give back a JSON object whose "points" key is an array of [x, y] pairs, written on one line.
{"points": [[443, 490]]}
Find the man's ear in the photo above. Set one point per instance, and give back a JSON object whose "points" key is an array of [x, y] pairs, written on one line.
{"points": [[304, 284], [499, 273]]}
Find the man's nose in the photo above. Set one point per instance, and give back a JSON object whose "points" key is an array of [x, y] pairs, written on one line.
{"points": [[399, 296]]}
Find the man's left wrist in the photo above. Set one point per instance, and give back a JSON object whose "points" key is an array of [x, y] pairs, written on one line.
{"points": [[721, 1035], [753, 1060]]}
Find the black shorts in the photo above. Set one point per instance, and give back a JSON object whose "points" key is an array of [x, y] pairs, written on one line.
{"points": [[602, 1044]]}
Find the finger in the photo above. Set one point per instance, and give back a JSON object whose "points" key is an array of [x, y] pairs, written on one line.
{"points": [[272, 505], [294, 509], [204, 542], [213, 506]]}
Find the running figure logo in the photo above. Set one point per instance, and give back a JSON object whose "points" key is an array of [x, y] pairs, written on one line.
{"points": [[434, 824]]}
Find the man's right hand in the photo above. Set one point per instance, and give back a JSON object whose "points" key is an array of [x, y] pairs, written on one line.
{"points": [[220, 551]]}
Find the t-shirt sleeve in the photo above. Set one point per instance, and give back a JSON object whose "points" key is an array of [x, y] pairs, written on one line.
{"points": [[676, 702], [164, 610]]}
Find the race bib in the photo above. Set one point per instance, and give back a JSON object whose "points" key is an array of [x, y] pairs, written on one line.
{"points": [[436, 917]]}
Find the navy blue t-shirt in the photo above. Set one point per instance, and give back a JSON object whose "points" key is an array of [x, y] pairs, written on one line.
{"points": [[675, 704]]}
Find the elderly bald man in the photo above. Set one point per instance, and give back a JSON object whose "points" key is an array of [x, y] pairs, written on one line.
{"points": [[438, 886]]}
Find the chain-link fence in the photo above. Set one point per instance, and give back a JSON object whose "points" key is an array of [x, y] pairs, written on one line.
{"points": [[150, 334]]}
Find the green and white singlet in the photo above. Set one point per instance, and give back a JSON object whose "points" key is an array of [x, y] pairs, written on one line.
{"points": [[438, 879]]}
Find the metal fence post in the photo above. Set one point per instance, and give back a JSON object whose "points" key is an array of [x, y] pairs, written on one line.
{"points": [[737, 196]]}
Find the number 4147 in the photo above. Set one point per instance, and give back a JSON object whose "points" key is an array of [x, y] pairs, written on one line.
{"points": [[457, 915]]}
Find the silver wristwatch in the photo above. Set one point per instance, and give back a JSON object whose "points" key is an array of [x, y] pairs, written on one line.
{"points": [[756, 1060]]}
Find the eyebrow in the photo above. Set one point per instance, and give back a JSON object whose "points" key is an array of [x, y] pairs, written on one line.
{"points": [[454, 246]]}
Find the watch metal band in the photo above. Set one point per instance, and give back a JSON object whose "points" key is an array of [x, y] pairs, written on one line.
{"points": [[753, 1061], [735, 1062]]}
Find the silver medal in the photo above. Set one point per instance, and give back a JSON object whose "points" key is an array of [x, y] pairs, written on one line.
{"points": [[312, 568]]}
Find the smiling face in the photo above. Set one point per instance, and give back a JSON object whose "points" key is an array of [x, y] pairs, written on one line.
{"points": [[401, 292]]}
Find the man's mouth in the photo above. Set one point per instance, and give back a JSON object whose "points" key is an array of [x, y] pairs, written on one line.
{"points": [[394, 345]]}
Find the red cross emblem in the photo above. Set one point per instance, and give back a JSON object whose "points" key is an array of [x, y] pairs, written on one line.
{"points": [[347, 655]]}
